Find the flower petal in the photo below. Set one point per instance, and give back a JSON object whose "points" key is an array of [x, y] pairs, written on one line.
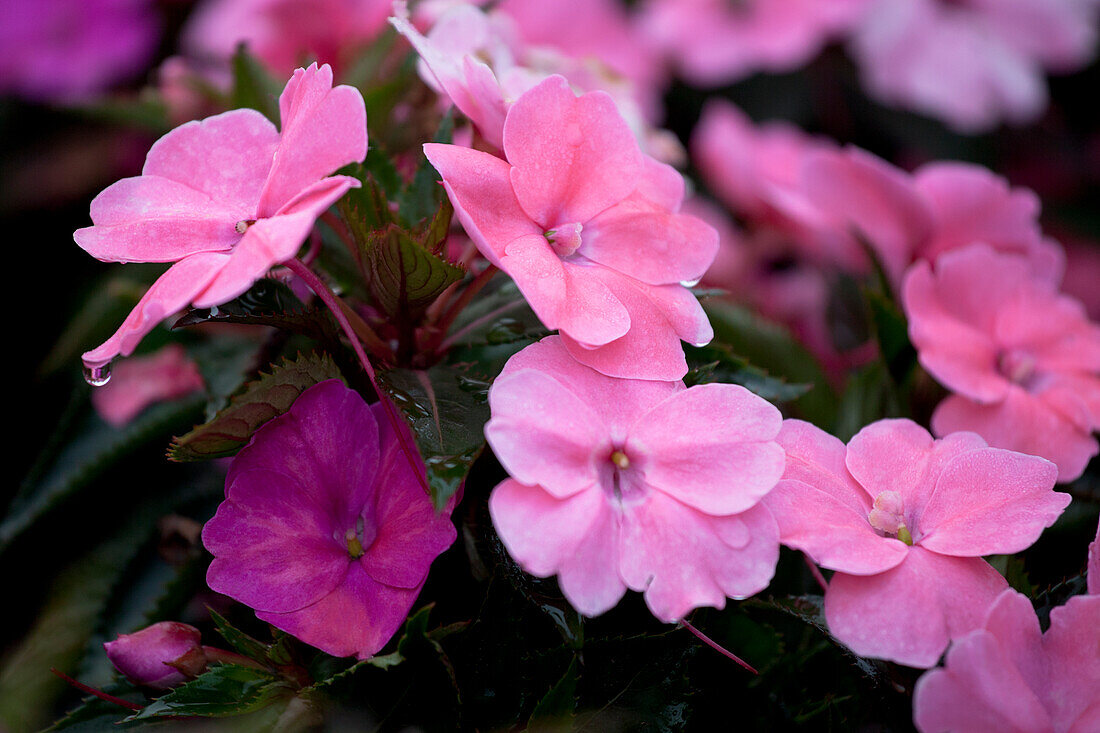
{"points": [[1072, 643]]}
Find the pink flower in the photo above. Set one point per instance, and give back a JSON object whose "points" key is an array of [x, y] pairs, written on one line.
{"points": [[714, 42], [68, 50], [904, 521], [1008, 675], [285, 33], [1093, 572], [972, 63], [620, 483], [157, 655], [1022, 360], [589, 229], [325, 530], [137, 383], [226, 198]]}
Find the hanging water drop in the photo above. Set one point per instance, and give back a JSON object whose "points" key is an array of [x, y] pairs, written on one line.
{"points": [[98, 376]]}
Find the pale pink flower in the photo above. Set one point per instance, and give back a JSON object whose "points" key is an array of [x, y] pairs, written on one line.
{"points": [[284, 34], [904, 521], [620, 483], [972, 63], [137, 383], [1022, 360], [715, 42], [1008, 675], [590, 230], [325, 529], [155, 655], [226, 198]]}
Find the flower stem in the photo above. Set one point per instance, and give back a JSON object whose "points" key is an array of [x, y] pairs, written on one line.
{"points": [[468, 294], [816, 572], [716, 646], [98, 693], [341, 229], [329, 298]]}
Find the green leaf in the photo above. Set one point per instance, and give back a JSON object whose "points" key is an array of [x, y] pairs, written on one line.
{"points": [[771, 347], [424, 194], [253, 86], [406, 275], [96, 448], [269, 396], [870, 395], [247, 645], [892, 333], [224, 690], [447, 411], [267, 298], [94, 714], [556, 710], [716, 363]]}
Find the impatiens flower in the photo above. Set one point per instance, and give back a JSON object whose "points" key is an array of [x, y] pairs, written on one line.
{"points": [[715, 42], [1008, 675], [69, 50], [1092, 574], [325, 530], [139, 382], [972, 63], [158, 655], [590, 230], [226, 198], [285, 33], [1022, 360], [904, 520], [620, 483]]}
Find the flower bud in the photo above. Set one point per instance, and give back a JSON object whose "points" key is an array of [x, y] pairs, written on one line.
{"points": [[162, 655]]}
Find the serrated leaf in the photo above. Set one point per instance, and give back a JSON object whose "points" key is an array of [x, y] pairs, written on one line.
{"points": [[405, 274], [225, 690], [424, 194], [247, 645], [95, 714], [96, 448], [556, 711], [266, 298], [253, 86], [268, 397], [447, 412], [716, 363]]}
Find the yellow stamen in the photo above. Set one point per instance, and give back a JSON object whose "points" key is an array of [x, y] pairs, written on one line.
{"points": [[619, 459], [355, 547]]}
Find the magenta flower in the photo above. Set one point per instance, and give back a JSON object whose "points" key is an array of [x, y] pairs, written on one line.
{"points": [[285, 33], [325, 530], [620, 483], [142, 381], [226, 198], [590, 230], [157, 655], [972, 63], [69, 50], [904, 521], [1022, 360], [715, 42], [1008, 675]]}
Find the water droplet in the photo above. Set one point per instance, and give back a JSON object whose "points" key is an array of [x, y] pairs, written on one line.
{"points": [[98, 376], [690, 283]]}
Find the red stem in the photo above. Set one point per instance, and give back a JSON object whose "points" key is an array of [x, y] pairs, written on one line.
{"points": [[468, 294], [341, 230], [98, 693], [716, 646], [816, 573], [329, 298]]}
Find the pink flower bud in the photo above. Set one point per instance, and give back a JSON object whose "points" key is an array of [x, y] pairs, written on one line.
{"points": [[162, 655]]}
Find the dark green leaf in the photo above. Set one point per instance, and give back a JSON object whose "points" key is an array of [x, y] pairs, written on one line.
{"points": [[269, 396], [556, 710], [266, 298], [447, 412], [405, 274], [225, 363], [95, 714], [248, 646], [892, 333], [870, 395], [716, 363], [224, 690], [424, 194], [253, 86]]}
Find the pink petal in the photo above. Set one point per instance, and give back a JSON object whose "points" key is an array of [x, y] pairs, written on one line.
{"points": [[228, 157], [1054, 329], [142, 381], [978, 690], [543, 434], [817, 459], [909, 613], [273, 547], [711, 447], [324, 128], [1093, 571], [479, 186], [155, 219], [899, 455], [684, 559], [1012, 622], [590, 311], [358, 617], [1072, 643], [171, 292], [575, 537], [1021, 423], [990, 502], [572, 157]]}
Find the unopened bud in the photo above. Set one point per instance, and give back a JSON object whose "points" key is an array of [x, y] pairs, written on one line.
{"points": [[163, 655]]}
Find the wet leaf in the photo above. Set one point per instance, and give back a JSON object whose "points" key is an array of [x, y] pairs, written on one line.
{"points": [[269, 396], [225, 690], [406, 274]]}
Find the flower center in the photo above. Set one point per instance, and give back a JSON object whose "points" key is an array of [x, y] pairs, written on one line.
{"points": [[243, 225], [359, 538], [621, 476], [1017, 365], [888, 516], [564, 239]]}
